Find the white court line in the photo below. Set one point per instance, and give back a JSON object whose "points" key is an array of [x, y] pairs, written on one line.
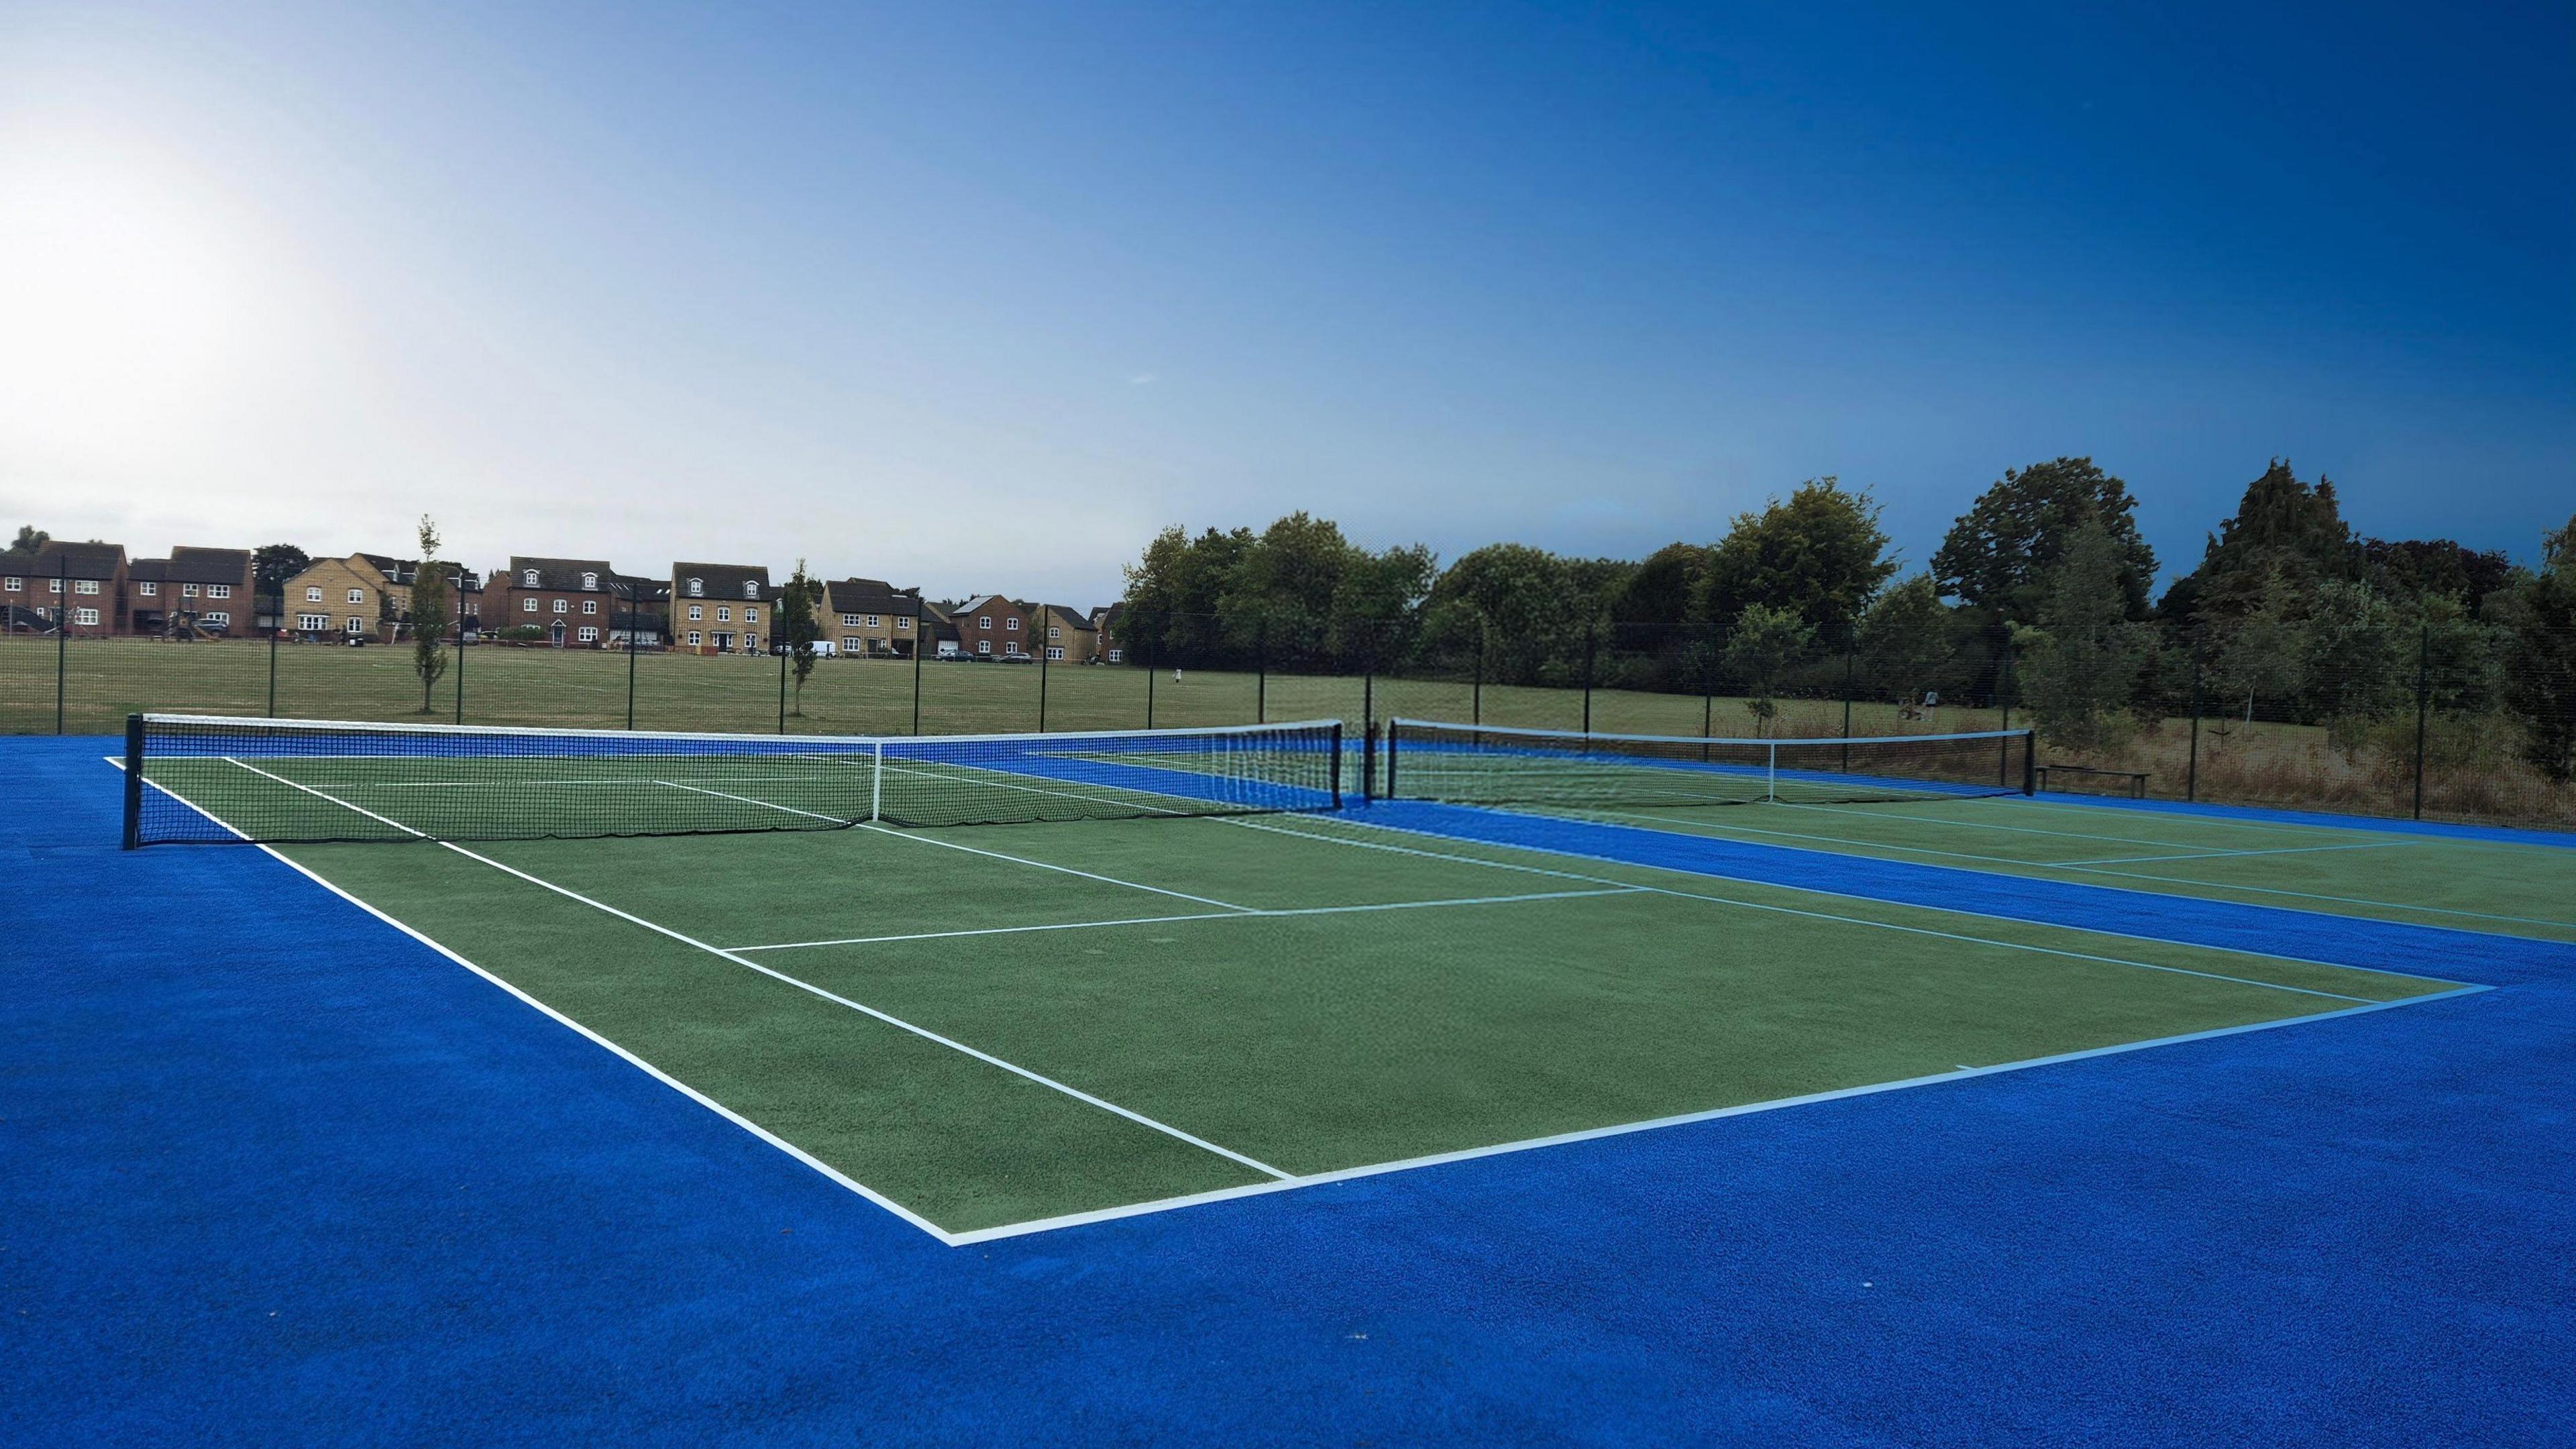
{"points": [[1209, 916], [1729, 830], [1852, 920], [2233, 854], [1050, 865], [861, 1007], [764, 804]]}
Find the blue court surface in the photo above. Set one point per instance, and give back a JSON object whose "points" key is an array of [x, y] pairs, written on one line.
{"points": [[278, 1172]]}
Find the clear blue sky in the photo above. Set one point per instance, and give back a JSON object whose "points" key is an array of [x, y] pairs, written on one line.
{"points": [[980, 296]]}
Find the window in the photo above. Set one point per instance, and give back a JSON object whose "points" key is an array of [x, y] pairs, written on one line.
{"points": [[528, 578], [150, 590], [983, 646], [84, 616], [696, 588], [217, 620], [697, 611], [696, 638], [312, 623], [903, 621], [751, 588], [313, 595], [527, 606], [13, 583], [1011, 624], [590, 633], [852, 643], [84, 586], [187, 591], [724, 613], [219, 591], [872, 622], [750, 615], [1055, 651], [1116, 655], [983, 621], [563, 606], [590, 606], [1054, 633], [357, 596], [849, 621], [590, 581], [357, 625], [53, 586]]}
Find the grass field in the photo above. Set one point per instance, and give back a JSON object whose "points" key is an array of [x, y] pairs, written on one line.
{"points": [[992, 1029]]}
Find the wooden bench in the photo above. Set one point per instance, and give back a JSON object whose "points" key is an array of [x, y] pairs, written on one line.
{"points": [[2074, 778]]}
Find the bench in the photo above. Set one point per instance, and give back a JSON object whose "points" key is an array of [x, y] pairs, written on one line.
{"points": [[2075, 779]]}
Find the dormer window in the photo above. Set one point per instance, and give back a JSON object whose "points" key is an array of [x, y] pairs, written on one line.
{"points": [[528, 577], [751, 588], [590, 581], [697, 588]]}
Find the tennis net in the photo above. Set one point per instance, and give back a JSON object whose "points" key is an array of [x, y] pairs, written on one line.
{"points": [[214, 779], [1486, 765]]}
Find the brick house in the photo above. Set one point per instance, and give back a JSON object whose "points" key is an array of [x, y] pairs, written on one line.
{"points": [[194, 593], [867, 618], [1065, 634], [464, 593], [722, 608], [82, 583], [992, 627], [1107, 624], [645, 612], [580, 603]]}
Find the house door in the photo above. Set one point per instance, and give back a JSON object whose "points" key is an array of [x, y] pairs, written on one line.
{"points": [[555, 633]]}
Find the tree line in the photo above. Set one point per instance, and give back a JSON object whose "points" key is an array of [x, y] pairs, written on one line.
{"points": [[2042, 594]]}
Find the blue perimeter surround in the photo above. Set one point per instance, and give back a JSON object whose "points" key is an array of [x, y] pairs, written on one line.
{"points": [[276, 1174]]}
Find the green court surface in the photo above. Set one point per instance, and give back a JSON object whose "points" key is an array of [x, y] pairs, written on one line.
{"points": [[996, 1028], [2473, 885]]}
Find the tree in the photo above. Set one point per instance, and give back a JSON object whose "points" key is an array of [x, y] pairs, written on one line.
{"points": [[1905, 637], [1759, 650], [797, 627], [2286, 534], [1376, 612], [1664, 588], [2425, 567], [2081, 664], [1173, 592], [428, 614], [1528, 610], [2355, 667], [1820, 555], [30, 539], [271, 565], [1997, 556], [2264, 653], [2541, 685]]}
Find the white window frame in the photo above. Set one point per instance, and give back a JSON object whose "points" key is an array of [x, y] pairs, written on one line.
{"points": [[312, 623], [750, 614], [1054, 632], [312, 593], [84, 586], [849, 621], [697, 611], [696, 638], [724, 613], [527, 606], [903, 621], [1055, 651], [12, 584], [697, 588], [983, 646], [590, 606], [589, 634], [219, 591], [590, 581], [983, 621], [527, 578], [84, 616], [1012, 624], [751, 588], [356, 625], [563, 606], [149, 589], [187, 591], [873, 621], [357, 596], [1115, 656]]}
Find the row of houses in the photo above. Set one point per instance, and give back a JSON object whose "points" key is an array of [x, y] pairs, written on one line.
{"points": [[94, 589]]}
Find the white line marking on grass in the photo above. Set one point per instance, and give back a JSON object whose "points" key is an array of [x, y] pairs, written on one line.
{"points": [[2233, 854], [764, 804], [1207, 916], [888, 1018], [1050, 865], [1119, 799], [1863, 920], [1594, 1134]]}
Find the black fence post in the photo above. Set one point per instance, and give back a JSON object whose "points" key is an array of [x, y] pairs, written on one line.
{"points": [[2191, 771], [2003, 682], [1368, 693], [2423, 708], [62, 631], [1591, 647], [276, 626], [1708, 691], [460, 645], [1042, 684], [1261, 672], [1476, 694], [1851, 669], [920, 641], [634, 624], [1149, 686], [782, 675]]}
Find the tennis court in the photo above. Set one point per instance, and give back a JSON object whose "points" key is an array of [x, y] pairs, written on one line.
{"points": [[1162, 967]]}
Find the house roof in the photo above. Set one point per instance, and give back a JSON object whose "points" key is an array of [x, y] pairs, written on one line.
{"points": [[722, 581], [868, 596], [58, 558], [193, 566], [563, 574]]}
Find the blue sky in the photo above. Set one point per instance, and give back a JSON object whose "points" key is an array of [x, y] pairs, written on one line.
{"points": [[981, 296]]}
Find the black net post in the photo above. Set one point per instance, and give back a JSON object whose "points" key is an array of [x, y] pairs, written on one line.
{"points": [[1368, 762], [134, 782], [2423, 708], [1337, 764], [2191, 770], [1390, 759]]}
